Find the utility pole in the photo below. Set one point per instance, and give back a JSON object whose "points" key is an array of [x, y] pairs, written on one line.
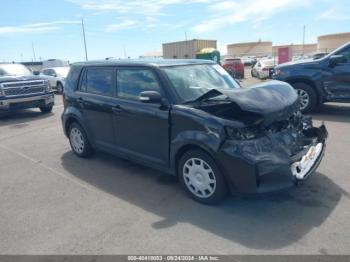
{"points": [[303, 39], [83, 28], [34, 56]]}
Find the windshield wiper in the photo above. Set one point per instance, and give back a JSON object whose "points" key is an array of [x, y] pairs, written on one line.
{"points": [[206, 96]]}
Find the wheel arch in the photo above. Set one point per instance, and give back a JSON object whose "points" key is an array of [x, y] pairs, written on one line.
{"points": [[308, 82]]}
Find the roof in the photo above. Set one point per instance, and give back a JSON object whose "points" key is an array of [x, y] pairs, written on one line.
{"points": [[145, 62], [190, 40]]}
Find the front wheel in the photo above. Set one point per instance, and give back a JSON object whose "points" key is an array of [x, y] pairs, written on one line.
{"points": [[46, 109], [307, 97], [201, 178]]}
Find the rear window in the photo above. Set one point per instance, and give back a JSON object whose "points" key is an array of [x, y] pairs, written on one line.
{"points": [[99, 81]]}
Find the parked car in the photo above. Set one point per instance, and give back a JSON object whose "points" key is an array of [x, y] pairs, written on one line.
{"points": [[234, 66], [20, 89], [263, 69], [248, 60], [319, 81], [56, 77], [189, 118]]}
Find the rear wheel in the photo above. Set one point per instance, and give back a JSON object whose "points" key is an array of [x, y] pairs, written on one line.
{"points": [[307, 96], [201, 178], [79, 141]]}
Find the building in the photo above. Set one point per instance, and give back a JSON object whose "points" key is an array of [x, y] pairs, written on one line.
{"points": [[33, 66], [186, 49], [307, 49], [259, 48], [327, 43], [38, 65], [152, 54]]}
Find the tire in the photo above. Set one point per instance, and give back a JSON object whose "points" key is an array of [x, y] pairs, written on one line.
{"points": [[46, 109], [305, 91], [59, 87], [78, 141], [205, 183]]}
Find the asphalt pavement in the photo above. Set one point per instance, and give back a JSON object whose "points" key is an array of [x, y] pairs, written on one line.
{"points": [[52, 202]]}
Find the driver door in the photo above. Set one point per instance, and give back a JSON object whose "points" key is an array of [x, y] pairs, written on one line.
{"points": [[141, 129]]}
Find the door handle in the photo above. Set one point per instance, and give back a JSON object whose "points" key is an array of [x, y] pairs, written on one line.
{"points": [[117, 109]]}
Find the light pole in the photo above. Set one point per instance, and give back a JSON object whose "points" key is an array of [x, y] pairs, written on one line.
{"points": [[83, 28]]}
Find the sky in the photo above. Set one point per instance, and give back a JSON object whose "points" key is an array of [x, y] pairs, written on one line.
{"points": [[130, 28]]}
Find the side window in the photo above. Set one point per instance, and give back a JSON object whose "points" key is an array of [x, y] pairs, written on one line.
{"points": [[99, 81], [45, 72], [346, 54], [131, 82], [50, 72]]}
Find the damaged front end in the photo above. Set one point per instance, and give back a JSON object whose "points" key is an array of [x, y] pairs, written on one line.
{"points": [[274, 148], [274, 156]]}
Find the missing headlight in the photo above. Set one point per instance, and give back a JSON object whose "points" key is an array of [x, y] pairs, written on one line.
{"points": [[241, 133]]}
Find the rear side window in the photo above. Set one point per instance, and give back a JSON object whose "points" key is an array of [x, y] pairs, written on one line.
{"points": [[131, 82], [99, 81]]}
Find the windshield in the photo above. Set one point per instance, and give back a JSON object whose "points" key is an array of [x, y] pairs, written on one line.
{"points": [[14, 70], [62, 71], [192, 81]]}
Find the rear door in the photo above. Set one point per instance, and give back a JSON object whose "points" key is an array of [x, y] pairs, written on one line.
{"points": [[95, 100], [141, 129], [337, 80]]}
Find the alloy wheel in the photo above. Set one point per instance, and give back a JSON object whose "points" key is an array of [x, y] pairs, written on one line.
{"points": [[304, 98]]}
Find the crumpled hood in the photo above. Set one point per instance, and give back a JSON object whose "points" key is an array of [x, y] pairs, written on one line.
{"points": [[262, 103]]}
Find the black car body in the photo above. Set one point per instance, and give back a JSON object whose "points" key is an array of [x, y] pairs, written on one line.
{"points": [[249, 137], [317, 81], [19, 89]]}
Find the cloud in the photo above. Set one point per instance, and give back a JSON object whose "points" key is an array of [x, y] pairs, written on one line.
{"points": [[229, 13], [143, 7], [334, 14], [37, 27], [120, 26]]}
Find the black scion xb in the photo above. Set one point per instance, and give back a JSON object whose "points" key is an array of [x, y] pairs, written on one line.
{"points": [[189, 118]]}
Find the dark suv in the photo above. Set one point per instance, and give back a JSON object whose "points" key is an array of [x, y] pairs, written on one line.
{"points": [[191, 119], [317, 81]]}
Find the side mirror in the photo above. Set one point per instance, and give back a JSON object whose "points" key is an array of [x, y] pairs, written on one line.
{"points": [[150, 97], [336, 59], [36, 73]]}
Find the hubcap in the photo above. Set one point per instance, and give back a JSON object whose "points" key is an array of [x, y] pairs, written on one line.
{"points": [[77, 140], [304, 98], [199, 177]]}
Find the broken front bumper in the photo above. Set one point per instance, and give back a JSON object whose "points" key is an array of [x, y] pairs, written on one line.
{"points": [[269, 163]]}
